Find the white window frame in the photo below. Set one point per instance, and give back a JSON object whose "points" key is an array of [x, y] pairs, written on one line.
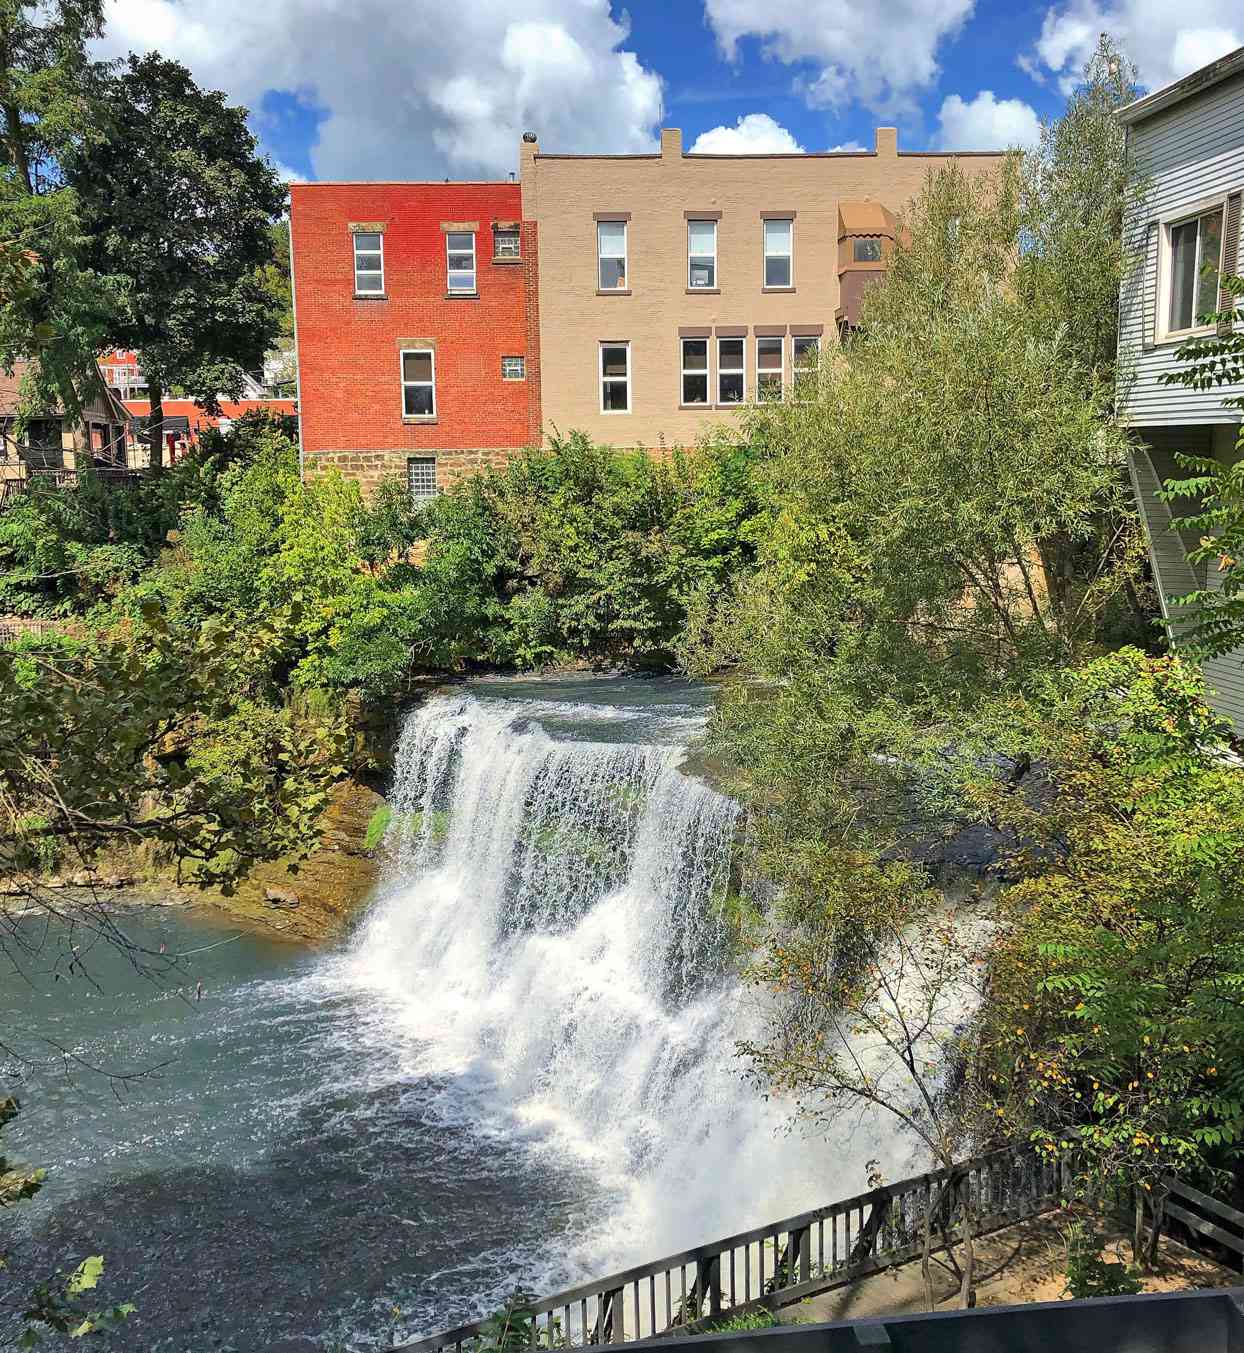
{"points": [[355, 251], [624, 255], [514, 357], [449, 286], [702, 220], [765, 255], [401, 372], [731, 371], [684, 371], [1161, 320], [613, 380], [796, 370], [780, 340]]}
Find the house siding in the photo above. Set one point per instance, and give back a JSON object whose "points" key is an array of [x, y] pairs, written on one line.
{"points": [[1185, 154]]}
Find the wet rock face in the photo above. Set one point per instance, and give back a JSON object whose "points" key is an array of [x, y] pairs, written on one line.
{"points": [[314, 899]]}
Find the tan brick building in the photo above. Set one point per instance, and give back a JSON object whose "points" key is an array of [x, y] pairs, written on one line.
{"points": [[674, 288]]}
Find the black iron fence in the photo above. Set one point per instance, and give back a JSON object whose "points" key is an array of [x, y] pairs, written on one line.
{"points": [[788, 1260]]}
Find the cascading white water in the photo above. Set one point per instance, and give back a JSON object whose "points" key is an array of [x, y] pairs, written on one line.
{"points": [[549, 933]]}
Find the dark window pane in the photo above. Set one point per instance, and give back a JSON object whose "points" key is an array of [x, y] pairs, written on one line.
{"points": [[459, 243], [368, 263], [368, 281], [806, 350], [769, 385], [777, 272], [371, 242], [1183, 274], [703, 272], [695, 354], [769, 354], [730, 387], [417, 366], [417, 400], [462, 262], [867, 251], [615, 396], [613, 361], [1211, 255], [730, 352], [612, 274], [695, 389]]}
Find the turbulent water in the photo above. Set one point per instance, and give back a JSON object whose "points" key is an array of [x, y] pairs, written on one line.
{"points": [[521, 1069]]}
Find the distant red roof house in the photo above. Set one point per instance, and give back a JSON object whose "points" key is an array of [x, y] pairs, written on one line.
{"points": [[184, 420]]}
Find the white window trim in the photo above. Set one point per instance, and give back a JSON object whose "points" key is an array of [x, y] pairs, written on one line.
{"points": [[731, 371], [765, 255], [684, 371], [625, 255], [514, 357], [354, 251], [449, 287], [600, 372], [795, 371], [781, 341], [702, 220], [401, 372], [1166, 223]]}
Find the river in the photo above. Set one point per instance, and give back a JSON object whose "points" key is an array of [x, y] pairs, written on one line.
{"points": [[519, 1070]]}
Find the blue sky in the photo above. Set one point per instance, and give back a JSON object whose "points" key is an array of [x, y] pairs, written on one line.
{"points": [[399, 89]]}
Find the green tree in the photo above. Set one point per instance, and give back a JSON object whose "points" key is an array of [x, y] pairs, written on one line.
{"points": [[1214, 613], [54, 301], [178, 202]]}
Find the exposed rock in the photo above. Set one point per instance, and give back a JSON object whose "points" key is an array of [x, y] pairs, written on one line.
{"points": [[281, 897]]}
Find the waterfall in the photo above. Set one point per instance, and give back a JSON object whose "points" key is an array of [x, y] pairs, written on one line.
{"points": [[549, 934]]}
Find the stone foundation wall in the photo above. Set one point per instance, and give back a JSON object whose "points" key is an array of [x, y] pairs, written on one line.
{"points": [[370, 467]]}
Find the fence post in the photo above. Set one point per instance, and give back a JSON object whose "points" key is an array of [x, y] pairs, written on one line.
{"points": [[804, 1250], [708, 1284], [615, 1321]]}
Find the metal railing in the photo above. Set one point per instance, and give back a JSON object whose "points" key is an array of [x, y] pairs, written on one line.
{"points": [[787, 1260]]}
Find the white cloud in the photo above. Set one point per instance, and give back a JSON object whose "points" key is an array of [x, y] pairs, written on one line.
{"points": [[286, 174], [415, 90], [845, 147], [753, 134], [880, 55], [987, 123], [1165, 38]]}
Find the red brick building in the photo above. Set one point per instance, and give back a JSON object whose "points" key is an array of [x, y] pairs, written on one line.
{"points": [[415, 326]]}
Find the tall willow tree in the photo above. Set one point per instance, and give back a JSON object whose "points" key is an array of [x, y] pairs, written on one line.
{"points": [[54, 300]]}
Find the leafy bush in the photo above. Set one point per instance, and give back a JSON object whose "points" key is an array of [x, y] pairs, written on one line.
{"points": [[1088, 1274]]}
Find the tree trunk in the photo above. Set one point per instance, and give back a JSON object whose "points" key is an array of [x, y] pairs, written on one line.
{"points": [[1138, 1227], [1157, 1215], [967, 1213], [155, 429]]}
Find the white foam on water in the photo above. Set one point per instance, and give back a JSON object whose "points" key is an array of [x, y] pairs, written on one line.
{"points": [[547, 936]]}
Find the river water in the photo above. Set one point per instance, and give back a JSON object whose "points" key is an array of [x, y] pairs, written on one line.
{"points": [[519, 1070]]}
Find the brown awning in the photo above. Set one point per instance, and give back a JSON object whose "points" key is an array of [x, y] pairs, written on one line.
{"points": [[864, 218]]}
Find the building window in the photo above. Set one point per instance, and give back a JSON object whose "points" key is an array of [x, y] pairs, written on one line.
{"points": [[460, 259], [770, 354], [514, 368], [505, 244], [421, 479], [731, 374], [611, 255], [695, 370], [866, 251], [1195, 255], [368, 264], [701, 254], [419, 383], [615, 378], [779, 246], [805, 359]]}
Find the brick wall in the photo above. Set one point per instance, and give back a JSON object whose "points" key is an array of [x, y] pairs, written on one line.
{"points": [[348, 347]]}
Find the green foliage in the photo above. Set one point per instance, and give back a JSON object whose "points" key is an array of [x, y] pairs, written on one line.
{"points": [[1088, 1274], [761, 1319], [377, 825], [513, 1328], [54, 301], [1211, 622], [177, 201]]}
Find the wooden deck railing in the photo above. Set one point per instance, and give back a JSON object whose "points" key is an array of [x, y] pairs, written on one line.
{"points": [[785, 1261]]}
